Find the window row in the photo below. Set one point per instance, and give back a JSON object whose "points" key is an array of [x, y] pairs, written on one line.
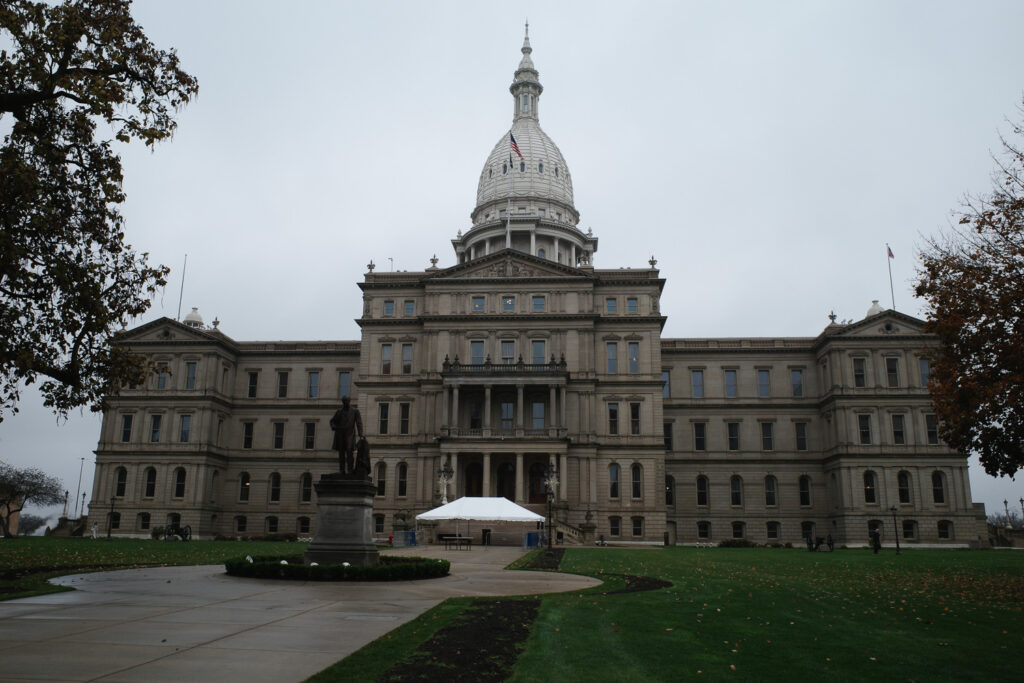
{"points": [[163, 378], [507, 353], [636, 478], [283, 379], [730, 383], [892, 370], [149, 482], [738, 530], [613, 418], [632, 357], [732, 436], [905, 488], [898, 426], [511, 303], [408, 308], [636, 525], [157, 429], [271, 525], [737, 491]]}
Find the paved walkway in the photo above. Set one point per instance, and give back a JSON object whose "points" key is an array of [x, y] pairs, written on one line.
{"points": [[198, 624]]}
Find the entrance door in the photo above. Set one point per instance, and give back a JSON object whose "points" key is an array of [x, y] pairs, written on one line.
{"points": [[474, 479], [537, 492], [507, 481]]}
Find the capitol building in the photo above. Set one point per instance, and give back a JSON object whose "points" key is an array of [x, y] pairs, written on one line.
{"points": [[524, 359]]}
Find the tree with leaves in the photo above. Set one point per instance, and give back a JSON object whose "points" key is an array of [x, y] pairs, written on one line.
{"points": [[68, 279], [972, 279], [20, 486]]}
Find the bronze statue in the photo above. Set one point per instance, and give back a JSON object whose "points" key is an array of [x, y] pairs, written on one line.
{"points": [[347, 423]]}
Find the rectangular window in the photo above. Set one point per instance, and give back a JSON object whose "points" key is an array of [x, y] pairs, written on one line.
{"points": [[309, 435], [668, 436], [476, 420], [733, 430], [406, 359], [185, 428], [476, 352], [767, 436], [279, 435], [282, 384], [410, 307], [254, 378], [609, 305], [154, 432], [931, 425], [508, 304], [730, 384], [161, 376], [538, 352], [477, 304], [190, 375], [700, 436], [508, 416], [344, 383], [909, 532], [859, 373], [898, 435], [801, 435], [634, 418], [666, 385], [389, 308], [864, 427], [632, 306], [314, 385], [385, 359], [538, 304], [247, 430], [797, 378], [508, 352], [538, 416], [772, 531], [697, 383], [613, 418], [378, 524], [764, 383], [892, 372], [614, 524], [383, 409], [126, 428], [638, 526], [403, 418], [613, 357], [634, 358], [924, 367]]}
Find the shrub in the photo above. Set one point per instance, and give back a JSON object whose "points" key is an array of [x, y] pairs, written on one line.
{"points": [[157, 533], [736, 543], [389, 569]]}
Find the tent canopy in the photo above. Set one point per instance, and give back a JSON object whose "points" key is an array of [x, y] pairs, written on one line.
{"points": [[482, 509]]}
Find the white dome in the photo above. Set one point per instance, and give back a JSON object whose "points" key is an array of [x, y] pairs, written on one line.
{"points": [[545, 175], [875, 309], [193, 319]]}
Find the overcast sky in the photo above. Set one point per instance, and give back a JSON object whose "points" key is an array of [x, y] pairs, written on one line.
{"points": [[763, 152]]}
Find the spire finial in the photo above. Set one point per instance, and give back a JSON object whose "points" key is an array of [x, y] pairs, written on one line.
{"points": [[526, 39]]}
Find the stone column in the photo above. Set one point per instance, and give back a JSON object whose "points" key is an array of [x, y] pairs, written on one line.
{"points": [[519, 406], [533, 241], [455, 477], [487, 475], [487, 407], [444, 406], [519, 478], [563, 477], [551, 423], [455, 408], [562, 422]]}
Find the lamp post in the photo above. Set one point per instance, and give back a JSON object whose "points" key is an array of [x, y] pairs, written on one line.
{"points": [[110, 520], [1007, 508], [445, 476], [896, 530], [1022, 509], [550, 484]]}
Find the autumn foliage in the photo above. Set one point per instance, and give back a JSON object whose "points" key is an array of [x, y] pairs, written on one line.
{"points": [[972, 279]]}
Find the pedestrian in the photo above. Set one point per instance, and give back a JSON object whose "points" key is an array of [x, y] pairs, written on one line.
{"points": [[876, 539], [95, 526]]}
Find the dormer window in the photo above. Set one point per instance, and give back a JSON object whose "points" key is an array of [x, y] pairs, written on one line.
{"points": [[490, 173], [540, 167], [556, 171], [504, 169]]}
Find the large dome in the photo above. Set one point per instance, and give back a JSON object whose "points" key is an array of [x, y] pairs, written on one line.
{"points": [[542, 173]]}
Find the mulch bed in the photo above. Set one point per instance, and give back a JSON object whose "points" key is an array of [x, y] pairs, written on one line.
{"points": [[482, 644], [638, 584]]}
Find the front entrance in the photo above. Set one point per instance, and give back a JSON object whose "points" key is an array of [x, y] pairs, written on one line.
{"points": [[474, 486], [537, 492], [507, 481]]}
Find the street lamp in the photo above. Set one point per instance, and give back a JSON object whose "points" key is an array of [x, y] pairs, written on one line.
{"points": [[445, 476], [896, 529], [1022, 509], [551, 484], [1007, 508], [110, 520]]}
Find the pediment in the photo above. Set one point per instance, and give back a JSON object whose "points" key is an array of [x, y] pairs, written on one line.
{"points": [[166, 330], [509, 264], [887, 323]]}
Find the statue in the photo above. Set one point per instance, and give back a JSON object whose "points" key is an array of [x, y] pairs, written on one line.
{"points": [[347, 423]]}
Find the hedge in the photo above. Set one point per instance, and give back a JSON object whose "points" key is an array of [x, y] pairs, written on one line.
{"points": [[292, 567]]}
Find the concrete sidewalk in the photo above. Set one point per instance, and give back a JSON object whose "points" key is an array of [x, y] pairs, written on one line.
{"points": [[198, 624]]}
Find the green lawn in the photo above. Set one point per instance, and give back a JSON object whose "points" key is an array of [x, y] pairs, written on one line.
{"points": [[26, 563], [760, 614]]}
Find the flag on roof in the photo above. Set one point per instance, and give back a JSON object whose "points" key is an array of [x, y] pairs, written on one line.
{"points": [[515, 147], [889, 249]]}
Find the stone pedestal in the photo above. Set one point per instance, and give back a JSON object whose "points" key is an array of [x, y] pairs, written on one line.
{"points": [[344, 522]]}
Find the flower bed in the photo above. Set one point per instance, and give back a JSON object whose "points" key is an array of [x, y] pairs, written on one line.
{"points": [[292, 567]]}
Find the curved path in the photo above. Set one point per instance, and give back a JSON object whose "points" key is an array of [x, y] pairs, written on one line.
{"points": [[198, 624]]}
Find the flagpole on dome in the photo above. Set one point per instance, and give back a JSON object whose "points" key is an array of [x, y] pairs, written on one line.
{"points": [[892, 293]]}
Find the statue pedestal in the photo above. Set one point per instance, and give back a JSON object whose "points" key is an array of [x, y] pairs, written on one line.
{"points": [[344, 522]]}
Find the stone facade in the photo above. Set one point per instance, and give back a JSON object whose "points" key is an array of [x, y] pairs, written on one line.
{"points": [[523, 357]]}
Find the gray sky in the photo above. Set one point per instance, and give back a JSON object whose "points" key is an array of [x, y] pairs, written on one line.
{"points": [[763, 152]]}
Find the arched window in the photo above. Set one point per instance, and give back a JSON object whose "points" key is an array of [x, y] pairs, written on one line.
{"points": [[670, 491], [522, 167], [770, 491], [636, 478], [736, 490], [381, 477], [540, 167], [938, 487], [556, 171], [702, 490], [945, 529], [541, 253], [244, 484], [903, 483], [275, 487], [613, 481], [302, 525], [490, 173], [271, 525], [870, 487], [403, 473], [120, 481], [504, 168], [703, 529], [805, 491], [306, 487], [179, 482], [149, 488]]}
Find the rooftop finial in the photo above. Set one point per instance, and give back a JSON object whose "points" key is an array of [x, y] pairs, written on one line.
{"points": [[526, 39]]}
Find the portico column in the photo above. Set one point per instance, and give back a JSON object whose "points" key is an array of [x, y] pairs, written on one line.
{"points": [[487, 475], [572, 250], [472, 252], [487, 407], [444, 407], [455, 476], [562, 421], [551, 409], [519, 477], [455, 407], [558, 255], [519, 409], [533, 241], [563, 478]]}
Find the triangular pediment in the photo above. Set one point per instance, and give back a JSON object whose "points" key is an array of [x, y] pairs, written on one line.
{"points": [[885, 324], [509, 264], [168, 330]]}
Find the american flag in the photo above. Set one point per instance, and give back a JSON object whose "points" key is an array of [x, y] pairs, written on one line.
{"points": [[515, 147], [889, 249]]}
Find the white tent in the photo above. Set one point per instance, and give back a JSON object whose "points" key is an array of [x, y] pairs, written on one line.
{"points": [[482, 509]]}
